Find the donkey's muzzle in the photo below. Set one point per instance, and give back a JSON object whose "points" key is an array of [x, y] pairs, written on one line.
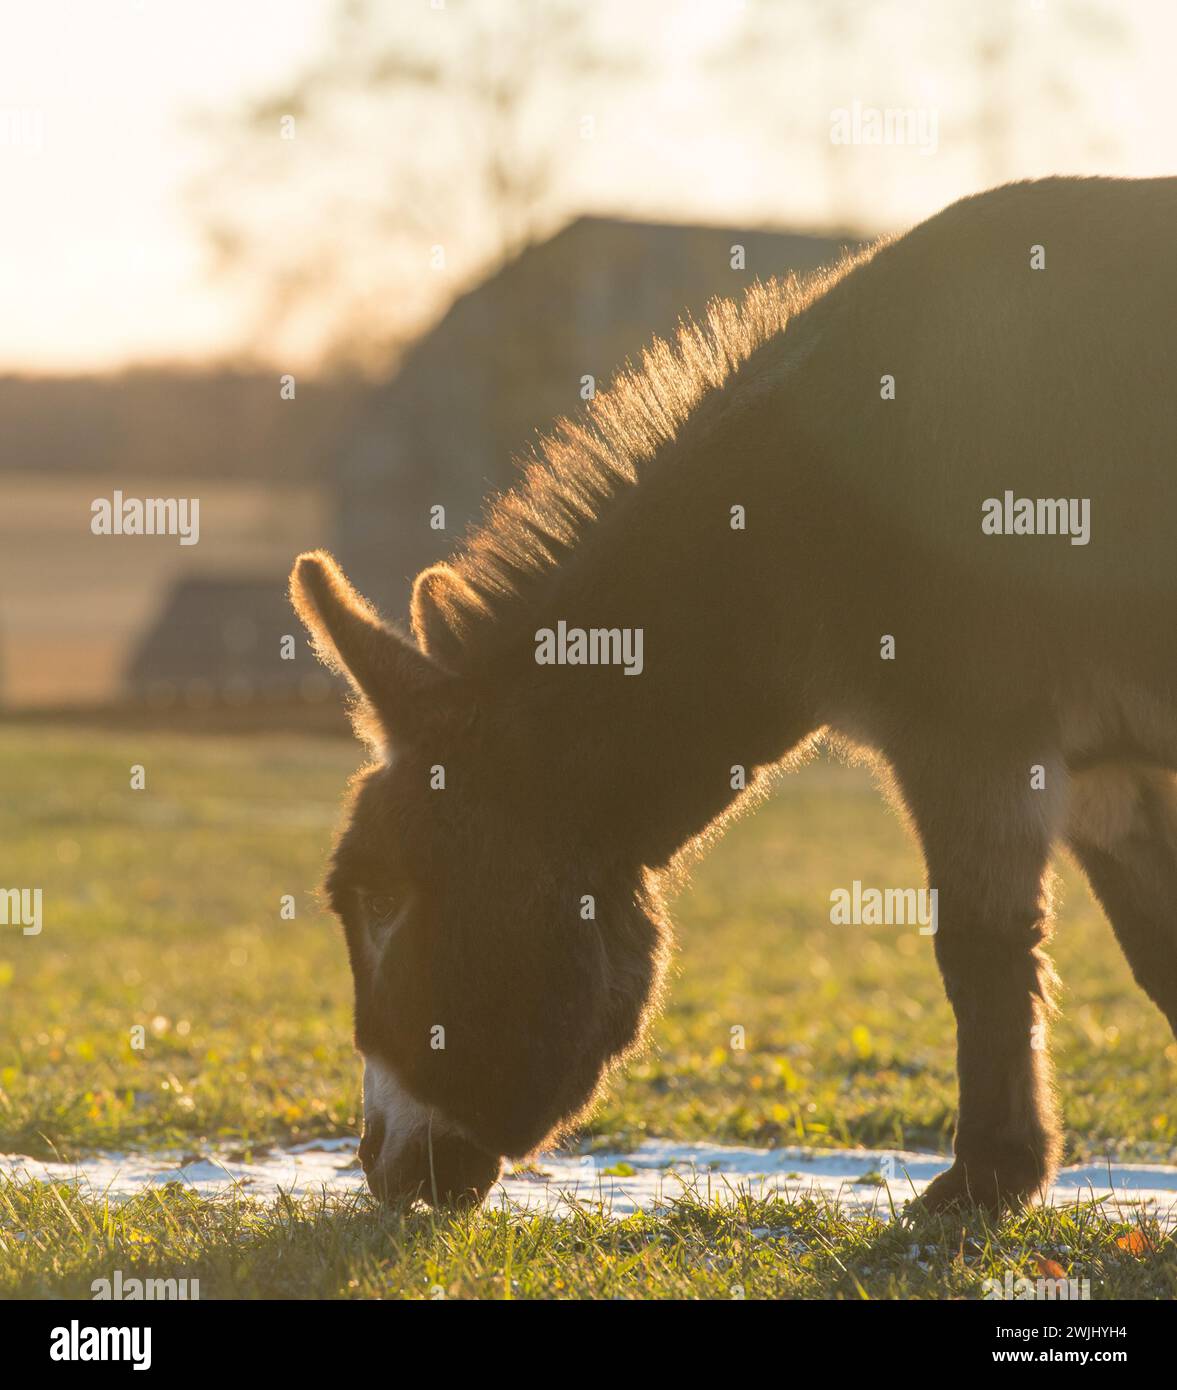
{"points": [[447, 1171]]}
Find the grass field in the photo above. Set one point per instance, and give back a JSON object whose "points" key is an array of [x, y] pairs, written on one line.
{"points": [[162, 911]]}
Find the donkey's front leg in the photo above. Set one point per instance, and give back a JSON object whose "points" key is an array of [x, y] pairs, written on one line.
{"points": [[986, 836]]}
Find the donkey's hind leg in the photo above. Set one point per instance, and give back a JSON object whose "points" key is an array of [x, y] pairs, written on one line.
{"points": [[987, 837], [1123, 831]]}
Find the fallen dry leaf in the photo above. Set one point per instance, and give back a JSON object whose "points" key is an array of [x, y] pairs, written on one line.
{"points": [[1136, 1243]]}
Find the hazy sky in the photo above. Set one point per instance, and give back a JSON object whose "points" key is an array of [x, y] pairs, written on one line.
{"points": [[101, 257], [101, 261]]}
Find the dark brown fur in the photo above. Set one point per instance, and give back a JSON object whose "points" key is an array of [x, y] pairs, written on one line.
{"points": [[863, 519]]}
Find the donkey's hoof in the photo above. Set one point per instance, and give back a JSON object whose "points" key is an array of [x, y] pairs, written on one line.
{"points": [[951, 1191], [980, 1185]]}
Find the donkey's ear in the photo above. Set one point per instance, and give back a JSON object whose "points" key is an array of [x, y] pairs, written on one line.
{"points": [[443, 604], [400, 683]]}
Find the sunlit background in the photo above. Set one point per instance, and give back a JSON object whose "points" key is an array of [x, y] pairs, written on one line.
{"points": [[437, 217]]}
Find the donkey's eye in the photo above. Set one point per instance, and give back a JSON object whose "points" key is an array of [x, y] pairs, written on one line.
{"points": [[382, 908], [383, 912]]}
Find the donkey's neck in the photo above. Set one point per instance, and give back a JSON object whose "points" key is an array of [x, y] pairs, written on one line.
{"points": [[696, 556]]}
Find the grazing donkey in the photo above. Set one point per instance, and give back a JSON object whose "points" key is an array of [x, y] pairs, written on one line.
{"points": [[926, 505]]}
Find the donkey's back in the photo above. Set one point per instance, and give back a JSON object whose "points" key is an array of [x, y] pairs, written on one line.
{"points": [[1030, 336], [990, 403]]}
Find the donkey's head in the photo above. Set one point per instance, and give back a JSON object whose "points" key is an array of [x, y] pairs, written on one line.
{"points": [[487, 1007]]}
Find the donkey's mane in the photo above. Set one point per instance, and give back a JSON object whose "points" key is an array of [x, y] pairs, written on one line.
{"points": [[573, 474]]}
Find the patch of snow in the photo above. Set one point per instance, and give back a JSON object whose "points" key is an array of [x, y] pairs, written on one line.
{"points": [[656, 1175]]}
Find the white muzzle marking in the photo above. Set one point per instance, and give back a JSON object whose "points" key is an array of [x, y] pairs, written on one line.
{"points": [[406, 1120]]}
